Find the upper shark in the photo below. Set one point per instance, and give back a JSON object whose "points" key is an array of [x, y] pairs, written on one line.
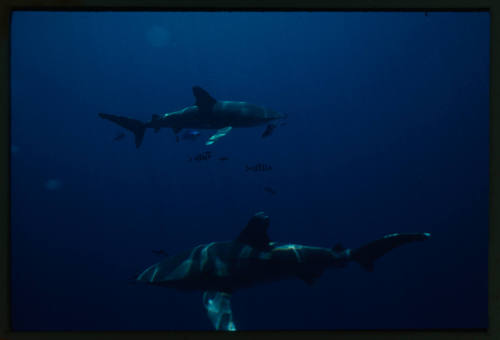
{"points": [[207, 113], [220, 268]]}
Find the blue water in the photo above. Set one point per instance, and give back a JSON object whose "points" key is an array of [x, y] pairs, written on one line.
{"points": [[388, 131]]}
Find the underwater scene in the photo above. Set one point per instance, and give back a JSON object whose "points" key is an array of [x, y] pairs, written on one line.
{"points": [[249, 170]]}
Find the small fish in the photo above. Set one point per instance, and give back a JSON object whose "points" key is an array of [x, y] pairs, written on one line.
{"points": [[119, 136], [191, 134], [223, 158], [269, 130], [202, 156], [188, 135], [160, 252], [270, 190], [258, 167]]}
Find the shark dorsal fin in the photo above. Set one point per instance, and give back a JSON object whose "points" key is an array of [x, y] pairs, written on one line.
{"points": [[203, 100], [255, 233]]}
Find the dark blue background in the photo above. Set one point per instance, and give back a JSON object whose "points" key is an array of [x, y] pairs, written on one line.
{"points": [[388, 131]]}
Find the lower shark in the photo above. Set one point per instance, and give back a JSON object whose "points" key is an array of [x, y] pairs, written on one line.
{"points": [[207, 113], [220, 268]]}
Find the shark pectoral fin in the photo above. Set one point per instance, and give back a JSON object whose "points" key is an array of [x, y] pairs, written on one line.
{"points": [[310, 276], [269, 130], [219, 134], [218, 306], [204, 101]]}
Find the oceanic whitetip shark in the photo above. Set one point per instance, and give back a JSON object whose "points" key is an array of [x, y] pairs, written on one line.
{"points": [[207, 113], [220, 268]]}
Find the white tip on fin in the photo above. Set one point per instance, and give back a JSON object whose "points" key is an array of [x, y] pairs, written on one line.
{"points": [[219, 134], [218, 306]]}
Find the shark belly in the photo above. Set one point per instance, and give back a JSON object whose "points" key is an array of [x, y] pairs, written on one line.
{"points": [[207, 113], [239, 114], [219, 268], [288, 261], [225, 266]]}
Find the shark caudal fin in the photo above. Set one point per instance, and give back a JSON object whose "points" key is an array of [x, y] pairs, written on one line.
{"points": [[367, 254], [134, 125]]}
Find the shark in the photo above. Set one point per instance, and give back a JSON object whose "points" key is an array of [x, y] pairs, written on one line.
{"points": [[218, 269], [206, 113]]}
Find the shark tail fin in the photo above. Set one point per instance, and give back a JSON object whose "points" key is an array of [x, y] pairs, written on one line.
{"points": [[134, 125], [369, 253]]}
